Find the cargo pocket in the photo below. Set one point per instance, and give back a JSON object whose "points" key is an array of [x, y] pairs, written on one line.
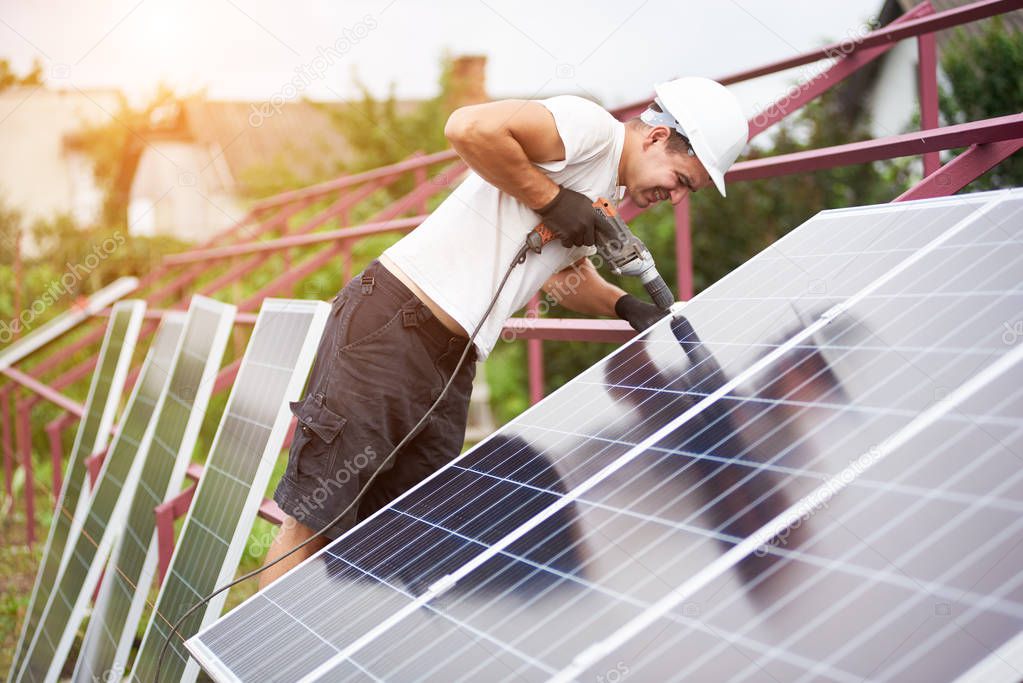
{"points": [[314, 448]]}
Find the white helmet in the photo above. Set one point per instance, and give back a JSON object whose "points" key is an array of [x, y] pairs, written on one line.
{"points": [[708, 115]]}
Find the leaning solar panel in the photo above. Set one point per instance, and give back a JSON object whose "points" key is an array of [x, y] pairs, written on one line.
{"points": [[64, 322], [175, 427], [93, 431], [580, 516], [114, 492], [105, 510], [248, 441]]}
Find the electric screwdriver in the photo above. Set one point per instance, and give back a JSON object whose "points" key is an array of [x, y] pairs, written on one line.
{"points": [[622, 250]]}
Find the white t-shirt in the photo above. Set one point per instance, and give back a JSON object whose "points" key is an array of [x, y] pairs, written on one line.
{"points": [[459, 254]]}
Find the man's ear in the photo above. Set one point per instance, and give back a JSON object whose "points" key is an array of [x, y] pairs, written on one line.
{"points": [[655, 135]]}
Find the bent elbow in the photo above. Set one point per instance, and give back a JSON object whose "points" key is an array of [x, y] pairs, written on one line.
{"points": [[458, 126]]}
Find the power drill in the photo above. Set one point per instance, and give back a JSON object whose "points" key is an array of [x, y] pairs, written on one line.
{"points": [[616, 244]]}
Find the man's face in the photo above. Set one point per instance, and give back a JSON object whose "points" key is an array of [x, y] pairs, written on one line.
{"points": [[660, 174]]}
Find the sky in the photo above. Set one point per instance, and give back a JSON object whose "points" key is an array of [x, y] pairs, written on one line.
{"points": [[268, 50]]}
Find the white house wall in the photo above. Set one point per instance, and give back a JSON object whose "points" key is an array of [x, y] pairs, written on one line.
{"points": [[178, 192]]}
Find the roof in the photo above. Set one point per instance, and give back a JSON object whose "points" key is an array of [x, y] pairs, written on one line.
{"points": [[248, 135]]}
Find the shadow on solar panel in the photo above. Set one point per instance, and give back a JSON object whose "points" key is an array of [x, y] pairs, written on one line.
{"points": [[809, 472]]}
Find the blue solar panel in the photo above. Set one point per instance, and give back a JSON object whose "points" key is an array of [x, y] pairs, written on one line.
{"points": [[165, 452], [101, 404], [105, 510], [248, 441], [711, 488]]}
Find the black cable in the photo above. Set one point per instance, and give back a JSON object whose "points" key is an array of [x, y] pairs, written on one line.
{"points": [[519, 258]]}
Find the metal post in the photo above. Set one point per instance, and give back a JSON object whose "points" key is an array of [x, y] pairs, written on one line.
{"points": [[5, 437], [534, 356], [18, 283], [683, 250], [23, 439], [928, 86]]}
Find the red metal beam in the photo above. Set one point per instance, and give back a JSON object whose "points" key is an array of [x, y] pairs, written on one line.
{"points": [[534, 355], [338, 209], [317, 261], [891, 33], [847, 65], [329, 186], [965, 168], [166, 512], [351, 232], [176, 507], [43, 391], [23, 443], [683, 250], [886, 36], [8, 446], [568, 329], [907, 144], [94, 463], [927, 65]]}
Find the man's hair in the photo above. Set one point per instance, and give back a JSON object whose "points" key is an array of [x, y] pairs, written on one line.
{"points": [[676, 143]]}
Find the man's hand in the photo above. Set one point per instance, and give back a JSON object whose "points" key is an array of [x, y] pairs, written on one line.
{"points": [[637, 313], [571, 216]]}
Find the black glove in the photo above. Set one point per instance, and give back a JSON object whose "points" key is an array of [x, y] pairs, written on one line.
{"points": [[571, 217], [638, 313]]}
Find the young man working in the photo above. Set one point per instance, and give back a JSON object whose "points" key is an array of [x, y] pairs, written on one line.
{"points": [[397, 330]]}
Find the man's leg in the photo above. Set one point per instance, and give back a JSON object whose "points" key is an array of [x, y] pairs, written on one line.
{"points": [[292, 533]]}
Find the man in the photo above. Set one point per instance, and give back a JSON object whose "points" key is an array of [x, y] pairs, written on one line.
{"points": [[397, 330]]}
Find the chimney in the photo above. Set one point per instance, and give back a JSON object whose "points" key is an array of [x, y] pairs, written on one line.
{"points": [[468, 81]]}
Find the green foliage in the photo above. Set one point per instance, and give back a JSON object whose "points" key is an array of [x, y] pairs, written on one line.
{"points": [[381, 133], [274, 177], [984, 76], [10, 227]]}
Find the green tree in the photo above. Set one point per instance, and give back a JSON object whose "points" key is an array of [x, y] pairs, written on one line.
{"points": [[383, 131], [10, 226], [115, 147], [984, 72]]}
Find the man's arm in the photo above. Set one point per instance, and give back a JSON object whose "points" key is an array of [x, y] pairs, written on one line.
{"points": [[580, 288], [502, 140]]}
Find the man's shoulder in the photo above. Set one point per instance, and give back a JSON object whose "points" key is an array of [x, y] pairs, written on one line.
{"points": [[576, 103]]}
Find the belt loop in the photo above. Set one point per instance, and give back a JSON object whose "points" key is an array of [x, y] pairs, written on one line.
{"points": [[367, 284], [423, 312]]}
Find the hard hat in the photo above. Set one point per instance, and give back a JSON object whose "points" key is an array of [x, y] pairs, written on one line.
{"points": [[708, 115]]}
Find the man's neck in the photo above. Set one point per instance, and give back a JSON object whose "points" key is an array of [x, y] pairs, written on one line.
{"points": [[623, 163]]}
